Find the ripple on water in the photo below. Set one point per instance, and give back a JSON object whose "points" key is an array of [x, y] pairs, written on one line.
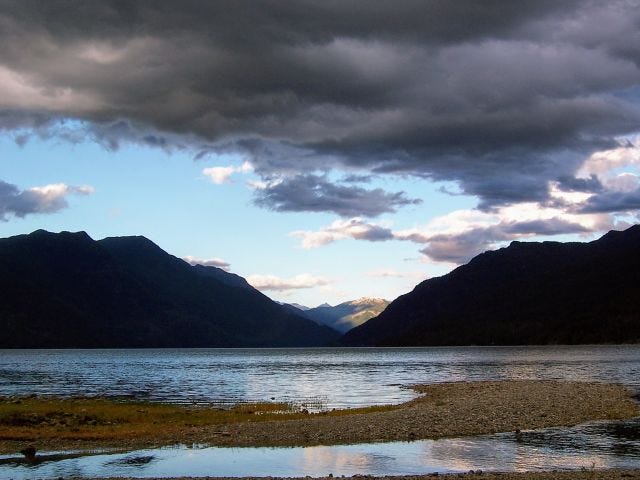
{"points": [[348, 377]]}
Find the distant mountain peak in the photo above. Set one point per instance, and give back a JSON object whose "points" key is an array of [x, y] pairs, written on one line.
{"points": [[369, 301], [300, 307], [347, 315]]}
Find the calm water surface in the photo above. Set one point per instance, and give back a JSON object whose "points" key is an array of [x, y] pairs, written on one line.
{"points": [[345, 377]]}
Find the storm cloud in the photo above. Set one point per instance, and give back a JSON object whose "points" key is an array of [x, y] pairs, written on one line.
{"points": [[500, 97], [613, 201], [314, 193]]}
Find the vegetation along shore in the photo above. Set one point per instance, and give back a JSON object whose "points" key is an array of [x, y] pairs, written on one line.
{"points": [[441, 410], [555, 475]]}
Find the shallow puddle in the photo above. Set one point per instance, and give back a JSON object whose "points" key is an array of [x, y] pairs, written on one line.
{"points": [[594, 445]]}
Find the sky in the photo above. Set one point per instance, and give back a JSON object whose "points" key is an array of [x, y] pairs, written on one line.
{"points": [[324, 150]]}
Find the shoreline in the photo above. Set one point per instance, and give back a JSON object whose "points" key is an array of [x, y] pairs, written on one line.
{"points": [[547, 475], [457, 409], [442, 410]]}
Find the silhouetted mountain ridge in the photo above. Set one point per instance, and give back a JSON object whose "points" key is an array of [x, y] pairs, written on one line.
{"points": [[225, 277], [67, 290], [526, 293]]}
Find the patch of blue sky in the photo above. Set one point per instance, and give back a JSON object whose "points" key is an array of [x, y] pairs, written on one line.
{"points": [[141, 190], [629, 168]]}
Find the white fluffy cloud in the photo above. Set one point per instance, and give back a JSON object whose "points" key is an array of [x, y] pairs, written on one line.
{"points": [[301, 281], [604, 163], [355, 228], [617, 172], [220, 175], [43, 199], [458, 236], [391, 273], [208, 262]]}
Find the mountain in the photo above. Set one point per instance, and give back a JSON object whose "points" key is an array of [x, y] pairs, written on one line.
{"points": [[299, 307], [223, 276], [526, 293], [345, 316], [295, 308], [67, 290]]}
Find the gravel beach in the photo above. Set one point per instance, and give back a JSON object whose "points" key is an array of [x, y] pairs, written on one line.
{"points": [[442, 410]]}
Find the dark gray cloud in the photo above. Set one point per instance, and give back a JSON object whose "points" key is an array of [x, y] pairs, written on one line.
{"points": [[314, 193], [573, 184], [552, 226], [373, 233], [459, 248], [355, 228], [500, 97], [613, 201], [47, 199], [452, 247], [356, 178]]}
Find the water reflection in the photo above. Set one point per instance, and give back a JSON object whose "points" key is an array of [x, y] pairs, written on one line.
{"points": [[349, 458], [595, 445], [37, 460], [618, 439], [133, 460]]}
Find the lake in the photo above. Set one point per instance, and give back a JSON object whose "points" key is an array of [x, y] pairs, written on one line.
{"points": [[323, 378], [316, 378]]}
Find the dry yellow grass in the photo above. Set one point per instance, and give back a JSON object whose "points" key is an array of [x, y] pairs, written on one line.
{"points": [[103, 421]]}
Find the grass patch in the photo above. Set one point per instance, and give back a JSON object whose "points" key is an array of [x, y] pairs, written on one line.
{"points": [[32, 419], [360, 411]]}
